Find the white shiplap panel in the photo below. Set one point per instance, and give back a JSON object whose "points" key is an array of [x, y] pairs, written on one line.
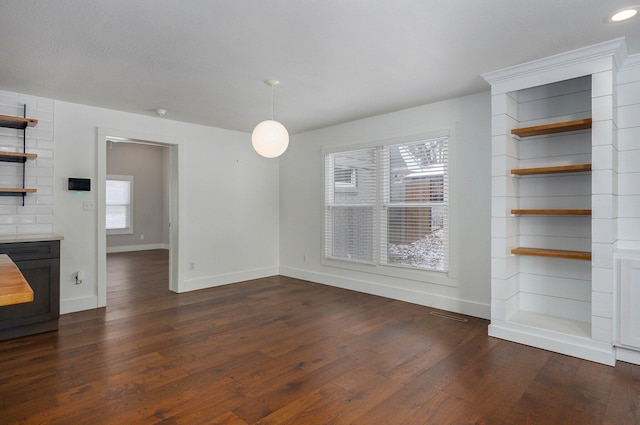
{"points": [[629, 184], [557, 267], [629, 94], [556, 307], [629, 206], [555, 185], [558, 226], [629, 139], [574, 289], [556, 108], [561, 145], [629, 116], [629, 161]]}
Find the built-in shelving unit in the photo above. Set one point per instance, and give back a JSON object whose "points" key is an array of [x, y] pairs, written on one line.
{"points": [[553, 201], [19, 123]]}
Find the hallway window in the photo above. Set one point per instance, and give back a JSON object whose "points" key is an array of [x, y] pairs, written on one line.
{"points": [[119, 194]]}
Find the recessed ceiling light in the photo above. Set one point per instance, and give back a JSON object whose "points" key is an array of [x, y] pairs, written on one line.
{"points": [[624, 14]]}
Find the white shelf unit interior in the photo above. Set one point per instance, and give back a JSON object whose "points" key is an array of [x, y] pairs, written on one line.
{"points": [[553, 293]]}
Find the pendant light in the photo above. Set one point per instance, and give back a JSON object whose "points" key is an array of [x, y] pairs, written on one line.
{"points": [[270, 138]]}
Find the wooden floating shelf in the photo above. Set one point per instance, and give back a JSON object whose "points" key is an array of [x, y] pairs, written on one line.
{"points": [[10, 121], [551, 170], [16, 156], [17, 190], [551, 212], [555, 253], [560, 127]]}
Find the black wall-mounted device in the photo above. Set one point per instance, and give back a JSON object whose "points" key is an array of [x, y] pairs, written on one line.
{"points": [[79, 184]]}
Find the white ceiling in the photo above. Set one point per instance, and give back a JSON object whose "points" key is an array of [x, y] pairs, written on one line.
{"points": [[337, 60]]}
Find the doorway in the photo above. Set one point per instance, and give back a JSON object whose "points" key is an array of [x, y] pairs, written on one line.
{"points": [[175, 181]]}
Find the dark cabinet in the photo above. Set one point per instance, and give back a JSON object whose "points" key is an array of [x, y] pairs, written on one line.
{"points": [[39, 263]]}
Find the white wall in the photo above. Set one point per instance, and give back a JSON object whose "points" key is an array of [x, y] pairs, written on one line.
{"points": [[230, 211], [301, 204]]}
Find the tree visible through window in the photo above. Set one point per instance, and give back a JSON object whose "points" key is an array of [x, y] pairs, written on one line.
{"points": [[388, 205], [119, 195]]}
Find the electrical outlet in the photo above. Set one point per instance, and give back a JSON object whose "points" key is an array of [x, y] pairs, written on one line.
{"points": [[192, 266], [141, 237], [305, 258], [89, 205]]}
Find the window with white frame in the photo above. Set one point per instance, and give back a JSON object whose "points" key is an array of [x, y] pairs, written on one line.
{"points": [[388, 205], [119, 201]]}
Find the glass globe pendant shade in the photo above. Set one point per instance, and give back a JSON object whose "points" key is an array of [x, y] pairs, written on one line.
{"points": [[270, 138]]}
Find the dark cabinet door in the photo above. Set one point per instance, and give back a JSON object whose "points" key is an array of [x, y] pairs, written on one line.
{"points": [[43, 275]]}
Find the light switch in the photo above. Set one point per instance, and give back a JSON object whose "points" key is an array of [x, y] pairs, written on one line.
{"points": [[89, 205]]}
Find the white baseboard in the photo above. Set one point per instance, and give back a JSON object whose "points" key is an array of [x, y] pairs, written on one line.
{"points": [[627, 355], [129, 248], [580, 347], [78, 304], [456, 305], [226, 279]]}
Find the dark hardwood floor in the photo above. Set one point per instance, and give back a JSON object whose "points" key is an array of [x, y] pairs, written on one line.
{"points": [[285, 351]]}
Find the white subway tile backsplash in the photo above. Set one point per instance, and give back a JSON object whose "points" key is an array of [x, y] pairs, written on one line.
{"points": [[11, 230], [37, 209], [35, 229], [17, 219]]}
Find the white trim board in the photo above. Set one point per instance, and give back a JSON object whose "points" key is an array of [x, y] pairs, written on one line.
{"points": [[130, 248], [229, 278], [455, 305]]}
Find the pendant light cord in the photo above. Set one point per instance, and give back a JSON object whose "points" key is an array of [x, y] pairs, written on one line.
{"points": [[271, 103]]}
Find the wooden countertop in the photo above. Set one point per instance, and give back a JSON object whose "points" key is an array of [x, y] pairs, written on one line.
{"points": [[14, 289], [30, 238]]}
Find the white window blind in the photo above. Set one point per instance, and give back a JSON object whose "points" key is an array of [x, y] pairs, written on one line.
{"points": [[415, 205], [350, 205], [388, 205], [119, 192]]}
